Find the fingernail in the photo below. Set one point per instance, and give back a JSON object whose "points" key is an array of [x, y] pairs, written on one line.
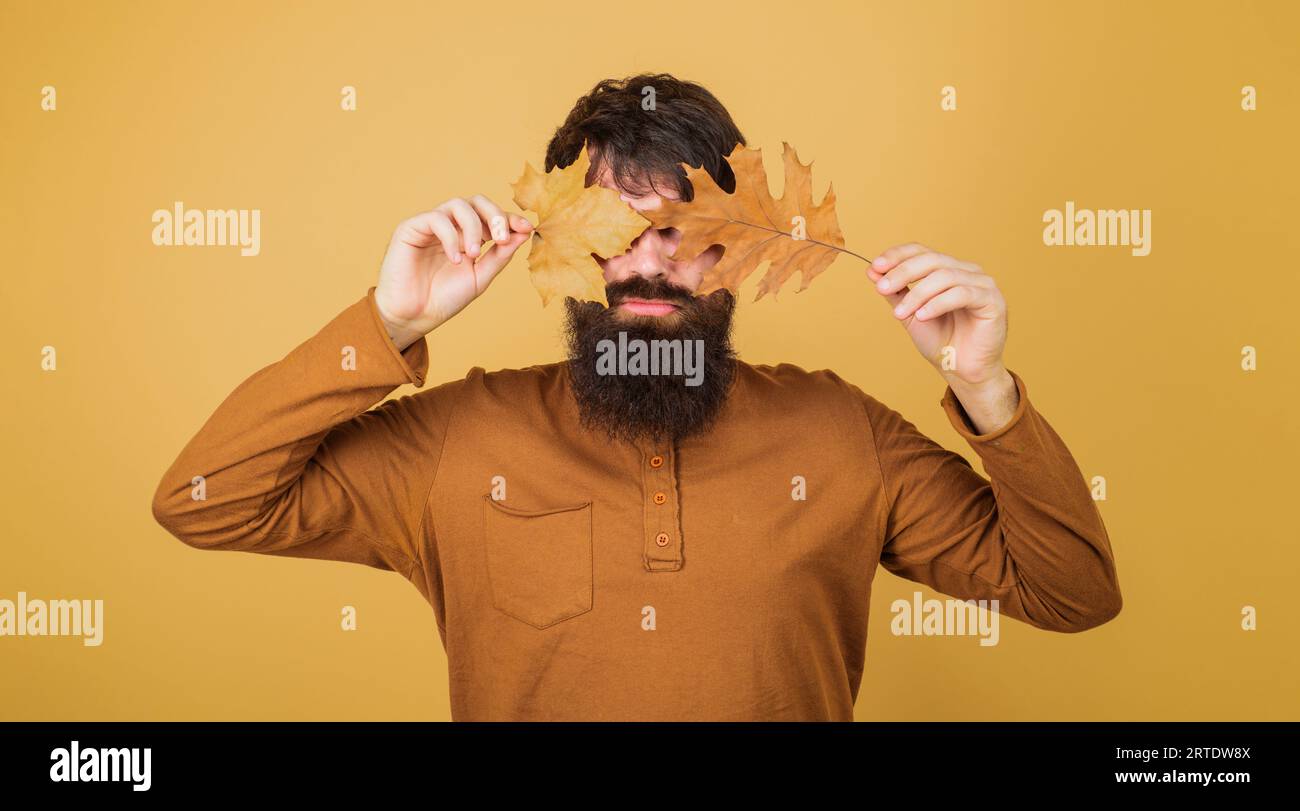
{"points": [[882, 285], [879, 261], [898, 311]]}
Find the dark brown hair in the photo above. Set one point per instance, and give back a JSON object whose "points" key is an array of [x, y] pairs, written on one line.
{"points": [[688, 124]]}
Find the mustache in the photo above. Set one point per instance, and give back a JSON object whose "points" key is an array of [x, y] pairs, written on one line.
{"points": [[643, 288]]}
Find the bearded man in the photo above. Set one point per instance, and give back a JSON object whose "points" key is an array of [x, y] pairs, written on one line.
{"points": [[637, 545]]}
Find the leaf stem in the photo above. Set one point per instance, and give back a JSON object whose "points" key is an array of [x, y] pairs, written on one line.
{"points": [[805, 239]]}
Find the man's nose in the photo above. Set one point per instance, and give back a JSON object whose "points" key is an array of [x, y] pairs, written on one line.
{"points": [[651, 254]]}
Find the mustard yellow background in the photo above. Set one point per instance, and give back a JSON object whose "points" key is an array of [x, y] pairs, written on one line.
{"points": [[1134, 360]]}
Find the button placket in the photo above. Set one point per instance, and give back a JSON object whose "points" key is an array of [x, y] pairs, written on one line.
{"points": [[663, 537]]}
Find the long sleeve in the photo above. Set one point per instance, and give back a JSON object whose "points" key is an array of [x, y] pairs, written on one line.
{"points": [[292, 463], [1029, 536]]}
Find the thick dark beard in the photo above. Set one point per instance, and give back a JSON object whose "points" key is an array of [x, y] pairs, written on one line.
{"points": [[655, 407]]}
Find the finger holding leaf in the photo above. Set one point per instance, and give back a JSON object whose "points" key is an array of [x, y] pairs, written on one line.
{"points": [[952, 310]]}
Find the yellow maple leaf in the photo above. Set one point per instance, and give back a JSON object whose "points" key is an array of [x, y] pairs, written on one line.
{"points": [[790, 232], [574, 221]]}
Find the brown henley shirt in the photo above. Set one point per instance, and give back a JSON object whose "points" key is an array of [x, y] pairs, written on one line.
{"points": [[637, 582]]}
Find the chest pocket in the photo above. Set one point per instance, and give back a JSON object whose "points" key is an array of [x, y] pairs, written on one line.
{"points": [[539, 562]]}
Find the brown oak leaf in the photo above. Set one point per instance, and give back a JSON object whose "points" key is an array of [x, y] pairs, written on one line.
{"points": [[574, 221], [752, 226]]}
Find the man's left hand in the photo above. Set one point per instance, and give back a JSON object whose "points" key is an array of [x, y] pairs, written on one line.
{"points": [[957, 318]]}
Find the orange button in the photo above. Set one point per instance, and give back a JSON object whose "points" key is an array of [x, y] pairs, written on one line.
{"points": [[660, 498], [656, 461], [662, 539]]}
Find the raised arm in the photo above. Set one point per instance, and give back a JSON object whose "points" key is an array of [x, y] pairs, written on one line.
{"points": [[293, 463], [1029, 536]]}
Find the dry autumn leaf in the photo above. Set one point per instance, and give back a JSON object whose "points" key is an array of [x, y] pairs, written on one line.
{"points": [[753, 227], [574, 221]]}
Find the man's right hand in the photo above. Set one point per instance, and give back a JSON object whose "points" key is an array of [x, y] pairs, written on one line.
{"points": [[436, 265]]}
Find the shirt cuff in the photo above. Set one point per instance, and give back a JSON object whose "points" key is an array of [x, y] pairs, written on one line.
{"points": [[414, 360], [962, 424]]}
